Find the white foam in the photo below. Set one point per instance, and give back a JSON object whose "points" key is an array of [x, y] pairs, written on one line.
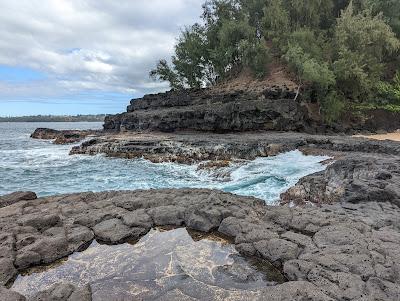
{"points": [[48, 169]]}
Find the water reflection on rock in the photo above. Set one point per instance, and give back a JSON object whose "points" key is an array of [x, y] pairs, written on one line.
{"points": [[170, 264]]}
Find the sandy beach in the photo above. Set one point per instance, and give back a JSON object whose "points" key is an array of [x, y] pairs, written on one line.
{"points": [[390, 136]]}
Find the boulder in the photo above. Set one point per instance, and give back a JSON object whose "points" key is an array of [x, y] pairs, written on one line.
{"points": [[114, 231], [7, 270], [62, 136], [16, 197]]}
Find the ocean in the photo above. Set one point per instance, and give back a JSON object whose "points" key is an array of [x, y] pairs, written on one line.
{"points": [[47, 169]]}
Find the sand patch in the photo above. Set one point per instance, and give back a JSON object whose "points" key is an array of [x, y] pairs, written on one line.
{"points": [[390, 136]]}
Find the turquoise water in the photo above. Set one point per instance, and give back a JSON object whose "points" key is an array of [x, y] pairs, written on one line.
{"points": [[47, 169]]}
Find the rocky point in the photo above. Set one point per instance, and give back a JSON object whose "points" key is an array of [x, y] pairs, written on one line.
{"points": [[334, 236], [62, 136]]}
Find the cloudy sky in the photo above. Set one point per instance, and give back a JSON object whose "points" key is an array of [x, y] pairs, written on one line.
{"points": [[84, 56]]}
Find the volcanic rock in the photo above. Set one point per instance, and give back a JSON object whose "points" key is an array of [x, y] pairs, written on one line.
{"points": [[207, 110], [62, 136], [338, 251], [16, 197]]}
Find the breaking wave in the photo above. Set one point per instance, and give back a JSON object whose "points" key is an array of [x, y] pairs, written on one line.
{"points": [[47, 169]]}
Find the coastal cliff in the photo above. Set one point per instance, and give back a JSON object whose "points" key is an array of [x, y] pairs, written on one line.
{"points": [[334, 235], [272, 108], [216, 111]]}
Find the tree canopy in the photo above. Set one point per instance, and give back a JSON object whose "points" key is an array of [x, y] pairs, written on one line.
{"points": [[339, 50]]}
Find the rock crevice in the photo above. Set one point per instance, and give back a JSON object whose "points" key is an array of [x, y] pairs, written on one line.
{"points": [[327, 253]]}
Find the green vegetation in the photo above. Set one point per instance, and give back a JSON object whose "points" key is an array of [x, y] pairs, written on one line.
{"points": [[340, 51], [390, 91], [360, 107]]}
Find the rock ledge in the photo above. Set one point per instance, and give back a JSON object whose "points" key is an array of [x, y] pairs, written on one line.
{"points": [[332, 252]]}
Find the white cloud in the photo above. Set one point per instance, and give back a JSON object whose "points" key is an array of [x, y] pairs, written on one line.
{"points": [[101, 45]]}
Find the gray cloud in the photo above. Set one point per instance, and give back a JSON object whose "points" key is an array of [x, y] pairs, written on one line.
{"points": [[90, 45]]}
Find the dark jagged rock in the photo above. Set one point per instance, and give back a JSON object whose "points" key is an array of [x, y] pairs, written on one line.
{"points": [[62, 136], [345, 248], [351, 179], [16, 197], [331, 252], [205, 110], [218, 110], [375, 120]]}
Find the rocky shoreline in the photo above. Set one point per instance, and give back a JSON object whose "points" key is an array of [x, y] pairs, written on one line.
{"points": [[335, 235], [340, 251], [345, 248], [362, 169], [62, 136], [222, 110]]}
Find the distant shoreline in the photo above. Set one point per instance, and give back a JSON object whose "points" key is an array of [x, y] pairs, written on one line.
{"points": [[50, 118], [15, 121]]}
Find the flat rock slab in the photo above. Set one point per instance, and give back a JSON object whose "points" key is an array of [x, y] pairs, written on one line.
{"points": [[331, 252], [62, 136], [188, 147], [361, 170]]}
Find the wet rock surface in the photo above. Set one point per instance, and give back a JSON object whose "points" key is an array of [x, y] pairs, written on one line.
{"points": [[362, 169], [339, 251], [62, 136], [201, 266], [354, 178], [189, 147]]}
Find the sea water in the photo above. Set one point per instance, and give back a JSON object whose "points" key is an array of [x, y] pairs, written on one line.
{"points": [[172, 264], [47, 169]]}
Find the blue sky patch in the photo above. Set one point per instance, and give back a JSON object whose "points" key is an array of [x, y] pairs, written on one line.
{"points": [[19, 74], [87, 102]]}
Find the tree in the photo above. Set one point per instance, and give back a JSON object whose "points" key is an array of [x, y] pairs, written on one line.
{"points": [[254, 11], [256, 56], [339, 50], [362, 41], [390, 91], [308, 13], [191, 57], [390, 10], [164, 72], [276, 20]]}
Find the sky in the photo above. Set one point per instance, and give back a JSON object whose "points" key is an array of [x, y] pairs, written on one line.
{"points": [[67, 57]]}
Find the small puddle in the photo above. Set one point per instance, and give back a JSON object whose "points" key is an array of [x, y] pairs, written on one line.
{"points": [[175, 264]]}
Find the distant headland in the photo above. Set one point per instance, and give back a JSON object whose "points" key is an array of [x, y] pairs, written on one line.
{"points": [[55, 118]]}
